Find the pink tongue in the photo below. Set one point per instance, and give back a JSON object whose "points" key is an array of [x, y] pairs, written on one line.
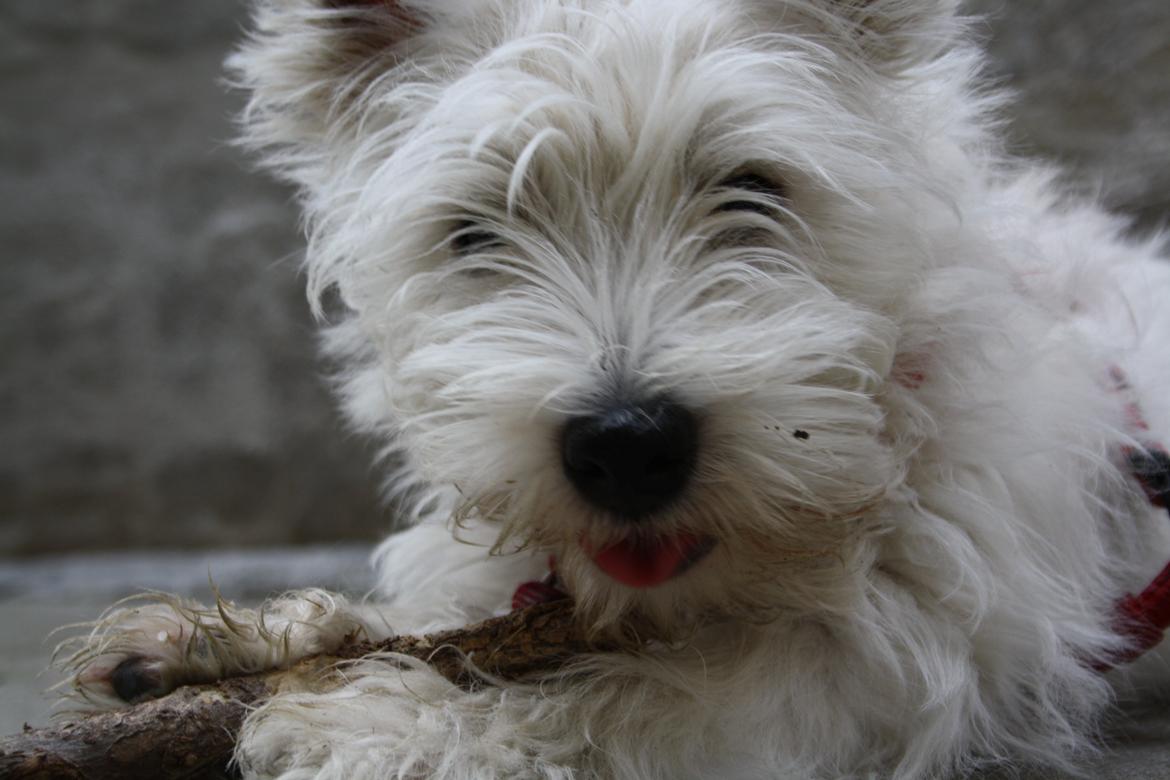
{"points": [[646, 564]]}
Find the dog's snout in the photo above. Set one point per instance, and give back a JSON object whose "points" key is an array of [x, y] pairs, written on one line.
{"points": [[631, 459]]}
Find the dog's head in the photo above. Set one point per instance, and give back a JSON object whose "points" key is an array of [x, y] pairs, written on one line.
{"points": [[624, 276]]}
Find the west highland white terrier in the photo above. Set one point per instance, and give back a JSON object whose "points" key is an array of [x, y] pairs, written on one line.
{"points": [[739, 312]]}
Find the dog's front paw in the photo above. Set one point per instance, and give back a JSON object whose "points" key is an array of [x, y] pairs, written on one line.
{"points": [[142, 651], [148, 646]]}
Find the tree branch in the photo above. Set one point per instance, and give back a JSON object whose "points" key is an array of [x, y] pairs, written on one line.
{"points": [[191, 733]]}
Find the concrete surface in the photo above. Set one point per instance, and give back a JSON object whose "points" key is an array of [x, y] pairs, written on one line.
{"points": [[158, 378]]}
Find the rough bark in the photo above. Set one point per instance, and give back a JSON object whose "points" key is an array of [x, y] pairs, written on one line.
{"points": [[191, 732]]}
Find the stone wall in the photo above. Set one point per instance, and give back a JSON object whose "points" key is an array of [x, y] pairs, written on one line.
{"points": [[158, 385], [1093, 80]]}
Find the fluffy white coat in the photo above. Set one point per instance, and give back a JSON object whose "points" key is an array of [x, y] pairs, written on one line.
{"points": [[524, 205]]}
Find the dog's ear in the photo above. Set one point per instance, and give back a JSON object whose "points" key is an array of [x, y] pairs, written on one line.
{"points": [[306, 63], [891, 34]]}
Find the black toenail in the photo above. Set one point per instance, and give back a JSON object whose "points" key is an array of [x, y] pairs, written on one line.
{"points": [[133, 680]]}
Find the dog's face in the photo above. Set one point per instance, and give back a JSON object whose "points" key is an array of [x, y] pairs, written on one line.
{"points": [[626, 275]]}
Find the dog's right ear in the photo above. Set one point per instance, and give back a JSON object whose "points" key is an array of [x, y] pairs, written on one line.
{"points": [[308, 64]]}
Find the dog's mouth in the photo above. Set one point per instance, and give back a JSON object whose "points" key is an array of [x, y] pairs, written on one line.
{"points": [[642, 563]]}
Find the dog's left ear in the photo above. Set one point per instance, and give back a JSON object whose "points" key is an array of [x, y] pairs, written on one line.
{"points": [[307, 63], [893, 33]]}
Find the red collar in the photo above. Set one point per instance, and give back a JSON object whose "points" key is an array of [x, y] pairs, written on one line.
{"points": [[1143, 618]]}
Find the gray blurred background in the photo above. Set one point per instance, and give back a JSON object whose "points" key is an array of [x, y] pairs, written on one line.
{"points": [[159, 388], [159, 385]]}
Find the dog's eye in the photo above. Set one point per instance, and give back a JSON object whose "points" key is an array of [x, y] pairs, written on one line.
{"points": [[753, 192], [469, 237]]}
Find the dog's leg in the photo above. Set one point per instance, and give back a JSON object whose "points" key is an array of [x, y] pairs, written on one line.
{"points": [[147, 648]]}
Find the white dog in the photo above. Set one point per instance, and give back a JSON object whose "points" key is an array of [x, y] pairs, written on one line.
{"points": [[737, 310]]}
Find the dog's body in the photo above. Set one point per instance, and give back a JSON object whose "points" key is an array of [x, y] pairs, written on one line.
{"points": [[735, 308]]}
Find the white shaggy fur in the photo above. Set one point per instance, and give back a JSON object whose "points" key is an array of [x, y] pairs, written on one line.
{"points": [[526, 206]]}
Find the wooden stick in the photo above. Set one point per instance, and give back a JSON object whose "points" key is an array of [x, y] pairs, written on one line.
{"points": [[191, 733]]}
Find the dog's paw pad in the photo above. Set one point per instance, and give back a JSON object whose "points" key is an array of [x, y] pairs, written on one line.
{"points": [[138, 678]]}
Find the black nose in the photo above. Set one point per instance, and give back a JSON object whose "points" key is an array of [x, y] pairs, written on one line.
{"points": [[631, 459]]}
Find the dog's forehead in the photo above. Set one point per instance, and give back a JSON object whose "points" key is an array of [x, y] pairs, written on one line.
{"points": [[633, 62], [613, 85]]}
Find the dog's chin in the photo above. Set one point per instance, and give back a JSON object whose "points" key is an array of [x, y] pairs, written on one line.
{"points": [[642, 563]]}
